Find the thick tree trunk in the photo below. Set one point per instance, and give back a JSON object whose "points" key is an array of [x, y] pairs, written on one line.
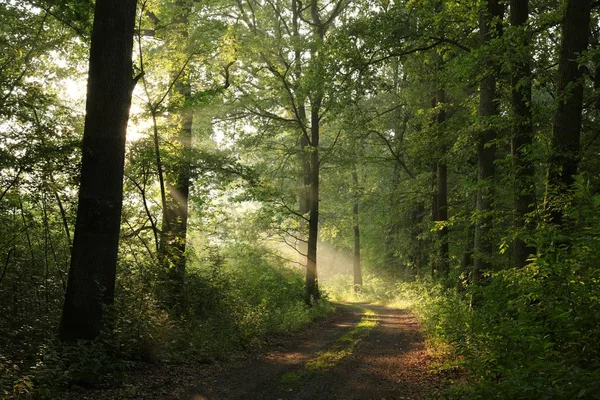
{"points": [[564, 158], [91, 282], [490, 27], [522, 137], [441, 172], [355, 211]]}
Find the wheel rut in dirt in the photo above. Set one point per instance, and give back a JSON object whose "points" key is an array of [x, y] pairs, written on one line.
{"points": [[363, 352]]}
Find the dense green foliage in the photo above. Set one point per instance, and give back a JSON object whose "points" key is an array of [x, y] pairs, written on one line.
{"points": [[237, 296], [426, 138], [534, 334]]}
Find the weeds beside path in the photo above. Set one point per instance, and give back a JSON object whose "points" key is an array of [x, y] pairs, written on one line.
{"points": [[360, 352]]}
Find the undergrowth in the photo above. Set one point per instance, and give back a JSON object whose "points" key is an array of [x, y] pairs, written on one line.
{"points": [[236, 297], [534, 333]]}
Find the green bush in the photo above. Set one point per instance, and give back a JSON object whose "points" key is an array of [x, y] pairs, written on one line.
{"points": [[237, 297], [533, 335]]}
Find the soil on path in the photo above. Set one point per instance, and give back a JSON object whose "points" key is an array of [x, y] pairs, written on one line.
{"points": [[390, 361]]}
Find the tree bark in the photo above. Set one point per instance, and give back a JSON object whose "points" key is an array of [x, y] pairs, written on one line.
{"points": [[490, 27], [565, 148], [91, 282], [177, 180], [522, 136], [439, 98]]}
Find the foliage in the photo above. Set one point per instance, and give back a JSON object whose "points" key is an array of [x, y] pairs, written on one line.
{"points": [[245, 76], [533, 332], [236, 298]]}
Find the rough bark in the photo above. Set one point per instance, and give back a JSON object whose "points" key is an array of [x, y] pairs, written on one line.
{"points": [[91, 282], [490, 28], [522, 135], [565, 148]]}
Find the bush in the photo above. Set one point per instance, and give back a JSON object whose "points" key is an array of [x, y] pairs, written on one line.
{"points": [[533, 335], [235, 299]]}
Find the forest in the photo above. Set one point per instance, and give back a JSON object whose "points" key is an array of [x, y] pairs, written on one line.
{"points": [[181, 181]]}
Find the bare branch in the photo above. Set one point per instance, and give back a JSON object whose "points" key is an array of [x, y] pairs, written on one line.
{"points": [[396, 155]]}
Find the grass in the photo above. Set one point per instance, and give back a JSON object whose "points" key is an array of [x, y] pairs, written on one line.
{"points": [[340, 349]]}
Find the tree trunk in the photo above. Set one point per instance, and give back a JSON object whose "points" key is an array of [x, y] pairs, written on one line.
{"points": [[490, 27], [91, 282], [442, 192], [304, 197], [312, 288], [522, 137], [175, 212], [564, 158], [439, 98], [356, 262]]}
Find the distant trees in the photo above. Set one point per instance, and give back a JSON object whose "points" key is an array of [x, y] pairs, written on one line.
{"points": [[91, 283]]}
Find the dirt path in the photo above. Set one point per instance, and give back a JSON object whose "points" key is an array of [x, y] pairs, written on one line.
{"points": [[387, 360], [361, 352]]}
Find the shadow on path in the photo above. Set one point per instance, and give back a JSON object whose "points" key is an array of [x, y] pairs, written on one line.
{"points": [[390, 363]]}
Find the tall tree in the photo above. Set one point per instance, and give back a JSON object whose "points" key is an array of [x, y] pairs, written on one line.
{"points": [[441, 172], [565, 148], [490, 27], [522, 135], [356, 263], [91, 282], [296, 61], [178, 177]]}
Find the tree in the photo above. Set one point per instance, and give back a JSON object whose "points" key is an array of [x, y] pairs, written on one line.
{"points": [[566, 131], [356, 261], [490, 27], [294, 59], [522, 136], [90, 287]]}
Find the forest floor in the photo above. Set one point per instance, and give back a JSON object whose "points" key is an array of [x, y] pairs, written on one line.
{"points": [[359, 352]]}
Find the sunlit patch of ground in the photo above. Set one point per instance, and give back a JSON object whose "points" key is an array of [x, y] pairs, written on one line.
{"points": [[340, 349]]}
